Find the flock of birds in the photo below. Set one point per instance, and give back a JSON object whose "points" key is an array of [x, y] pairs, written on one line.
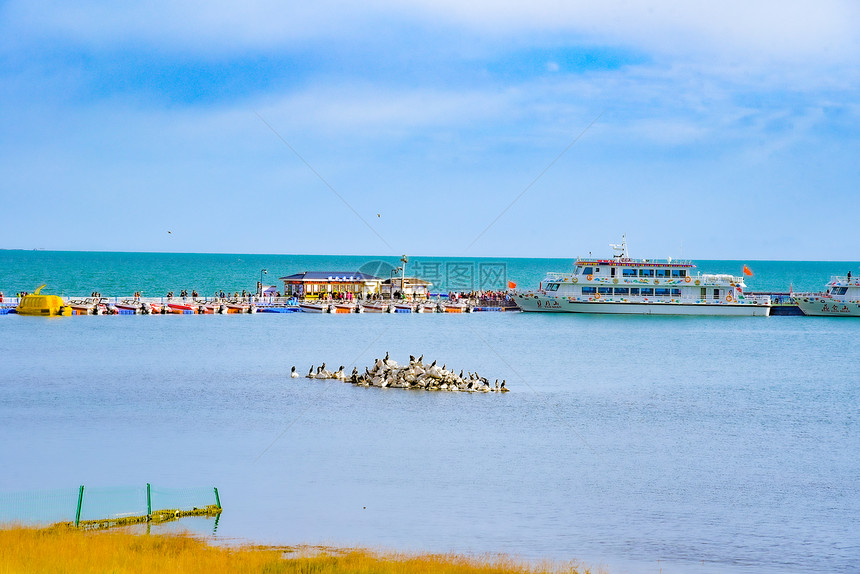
{"points": [[416, 375]]}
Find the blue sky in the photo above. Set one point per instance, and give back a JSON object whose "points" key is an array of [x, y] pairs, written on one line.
{"points": [[432, 128]]}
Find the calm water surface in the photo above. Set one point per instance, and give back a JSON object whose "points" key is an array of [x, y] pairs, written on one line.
{"points": [[646, 444]]}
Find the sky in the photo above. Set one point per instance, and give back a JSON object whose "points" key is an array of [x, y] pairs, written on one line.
{"points": [[721, 130]]}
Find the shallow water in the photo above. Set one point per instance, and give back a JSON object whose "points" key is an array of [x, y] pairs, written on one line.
{"points": [[647, 444]]}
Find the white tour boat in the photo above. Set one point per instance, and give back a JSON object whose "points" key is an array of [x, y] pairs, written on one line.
{"points": [[622, 285], [842, 299]]}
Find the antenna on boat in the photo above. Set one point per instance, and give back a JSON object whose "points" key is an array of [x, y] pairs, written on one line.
{"points": [[622, 248]]}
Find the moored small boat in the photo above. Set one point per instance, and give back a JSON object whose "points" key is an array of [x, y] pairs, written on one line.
{"points": [[153, 308], [211, 308], [181, 308], [428, 307], [375, 307], [129, 306], [83, 306], [235, 307], [344, 308], [455, 308], [314, 307], [102, 307], [403, 308]]}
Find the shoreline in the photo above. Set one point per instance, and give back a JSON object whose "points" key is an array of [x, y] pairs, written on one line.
{"points": [[63, 548]]}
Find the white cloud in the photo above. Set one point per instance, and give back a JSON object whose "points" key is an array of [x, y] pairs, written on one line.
{"points": [[765, 30], [207, 26], [821, 32], [381, 112], [731, 92]]}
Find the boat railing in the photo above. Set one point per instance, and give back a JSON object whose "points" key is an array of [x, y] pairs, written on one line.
{"points": [[555, 276], [719, 278], [844, 281], [632, 261], [759, 299]]}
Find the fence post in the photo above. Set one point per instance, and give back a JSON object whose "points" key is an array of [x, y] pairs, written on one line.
{"points": [[148, 501], [217, 498], [80, 502]]}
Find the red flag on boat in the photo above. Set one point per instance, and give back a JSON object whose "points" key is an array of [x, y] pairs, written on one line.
{"points": [[747, 270], [512, 285]]}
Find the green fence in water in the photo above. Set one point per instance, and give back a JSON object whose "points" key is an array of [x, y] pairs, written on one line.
{"points": [[105, 504]]}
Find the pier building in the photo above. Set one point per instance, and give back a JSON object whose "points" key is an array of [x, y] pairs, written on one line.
{"points": [[411, 288], [313, 284]]}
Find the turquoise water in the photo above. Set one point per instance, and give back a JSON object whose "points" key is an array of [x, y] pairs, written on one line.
{"points": [[646, 444], [74, 273]]}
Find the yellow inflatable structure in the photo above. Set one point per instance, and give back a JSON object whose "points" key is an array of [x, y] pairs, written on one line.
{"points": [[42, 305]]}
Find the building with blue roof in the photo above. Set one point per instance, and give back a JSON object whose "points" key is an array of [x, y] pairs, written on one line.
{"points": [[314, 284]]}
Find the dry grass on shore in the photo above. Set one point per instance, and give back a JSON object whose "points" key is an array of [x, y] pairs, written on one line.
{"points": [[33, 550]]}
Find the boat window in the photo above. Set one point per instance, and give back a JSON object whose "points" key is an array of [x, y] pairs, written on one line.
{"points": [[552, 287], [634, 291], [628, 273], [838, 290], [589, 290], [716, 293], [578, 270], [612, 272], [588, 271], [646, 273], [604, 290], [664, 273], [622, 291], [596, 270], [679, 272], [676, 292], [703, 294], [646, 291], [662, 292]]}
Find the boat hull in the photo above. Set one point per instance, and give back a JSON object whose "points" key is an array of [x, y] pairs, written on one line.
{"points": [[375, 308], [539, 304], [129, 308], [82, 309], [313, 308], [827, 307], [232, 308], [180, 309]]}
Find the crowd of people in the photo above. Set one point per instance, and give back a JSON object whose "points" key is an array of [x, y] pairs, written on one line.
{"points": [[497, 298], [483, 298]]}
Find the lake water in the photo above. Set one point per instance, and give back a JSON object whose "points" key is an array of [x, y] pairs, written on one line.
{"points": [[645, 444]]}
